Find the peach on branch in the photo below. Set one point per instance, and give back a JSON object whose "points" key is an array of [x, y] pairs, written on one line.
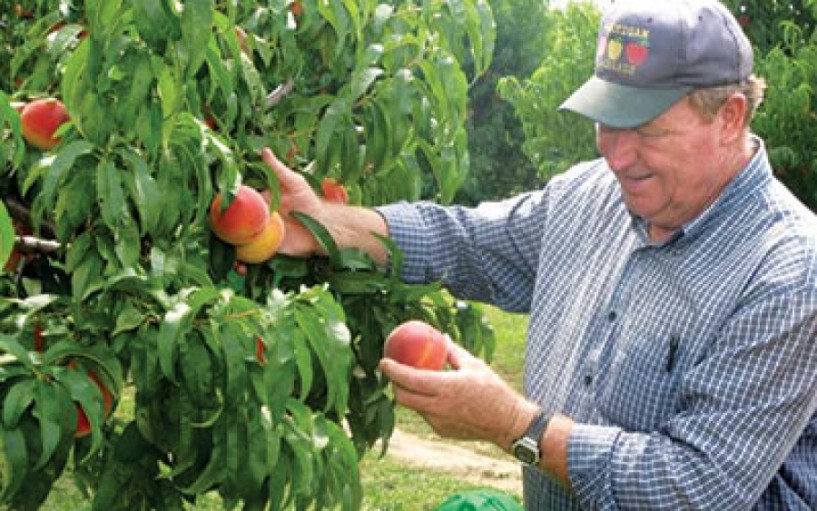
{"points": [[334, 191], [243, 220], [265, 244], [83, 423], [417, 344], [40, 119]]}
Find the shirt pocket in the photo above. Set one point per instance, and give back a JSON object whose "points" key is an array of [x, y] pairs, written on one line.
{"points": [[638, 385]]}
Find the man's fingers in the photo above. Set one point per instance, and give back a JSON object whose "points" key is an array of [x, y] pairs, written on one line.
{"points": [[288, 178], [418, 381], [459, 357]]}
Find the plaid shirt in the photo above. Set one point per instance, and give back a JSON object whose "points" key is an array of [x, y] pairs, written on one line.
{"points": [[689, 366]]}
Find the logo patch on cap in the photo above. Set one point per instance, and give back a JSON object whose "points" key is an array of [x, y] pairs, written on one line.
{"points": [[623, 49]]}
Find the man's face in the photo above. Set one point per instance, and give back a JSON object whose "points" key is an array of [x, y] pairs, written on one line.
{"points": [[669, 169]]}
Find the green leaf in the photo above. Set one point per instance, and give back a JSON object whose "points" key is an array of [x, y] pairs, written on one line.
{"points": [[129, 318], [303, 361], [342, 462], [53, 408], [57, 168], [15, 460], [378, 136], [18, 399], [197, 371], [175, 324], [144, 191], [9, 344], [196, 27], [297, 435], [321, 234], [88, 396], [155, 23], [87, 276], [110, 195], [233, 342], [10, 117], [334, 121], [322, 323], [213, 472], [362, 79], [128, 243], [6, 234], [170, 92]]}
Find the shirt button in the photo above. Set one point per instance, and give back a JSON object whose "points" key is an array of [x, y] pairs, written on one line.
{"points": [[611, 316], [588, 379]]}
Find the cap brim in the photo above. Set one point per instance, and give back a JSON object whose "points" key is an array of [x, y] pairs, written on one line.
{"points": [[620, 106]]}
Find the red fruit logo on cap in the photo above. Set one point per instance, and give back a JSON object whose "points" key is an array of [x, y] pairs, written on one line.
{"points": [[636, 53]]}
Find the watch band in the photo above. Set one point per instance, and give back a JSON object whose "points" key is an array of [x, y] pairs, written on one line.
{"points": [[526, 447]]}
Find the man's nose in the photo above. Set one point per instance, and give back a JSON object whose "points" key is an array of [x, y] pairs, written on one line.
{"points": [[619, 147]]}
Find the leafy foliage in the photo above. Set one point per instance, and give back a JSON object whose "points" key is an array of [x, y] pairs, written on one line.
{"points": [[554, 141], [242, 384], [784, 36], [498, 165]]}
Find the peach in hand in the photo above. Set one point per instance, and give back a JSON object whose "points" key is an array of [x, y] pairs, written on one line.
{"points": [[265, 244], [243, 220], [417, 344]]}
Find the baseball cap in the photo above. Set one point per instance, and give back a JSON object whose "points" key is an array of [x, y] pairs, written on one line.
{"points": [[651, 53]]}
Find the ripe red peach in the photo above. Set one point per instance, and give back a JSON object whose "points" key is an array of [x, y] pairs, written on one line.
{"points": [[244, 219], [40, 119], [334, 191], [417, 344], [265, 245], [83, 423]]}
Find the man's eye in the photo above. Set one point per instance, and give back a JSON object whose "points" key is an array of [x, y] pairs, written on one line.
{"points": [[652, 133]]}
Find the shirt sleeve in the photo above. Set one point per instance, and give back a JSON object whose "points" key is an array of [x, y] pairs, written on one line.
{"points": [[488, 253], [744, 407]]}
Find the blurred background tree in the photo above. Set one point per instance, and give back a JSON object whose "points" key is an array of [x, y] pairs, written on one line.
{"points": [[498, 164]]}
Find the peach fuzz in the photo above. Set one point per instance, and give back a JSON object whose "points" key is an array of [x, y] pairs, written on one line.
{"points": [[417, 344], [243, 220]]}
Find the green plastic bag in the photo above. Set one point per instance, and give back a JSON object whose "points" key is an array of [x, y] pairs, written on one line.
{"points": [[480, 500]]}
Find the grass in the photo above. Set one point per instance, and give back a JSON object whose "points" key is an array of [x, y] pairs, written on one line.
{"points": [[391, 486], [388, 485]]}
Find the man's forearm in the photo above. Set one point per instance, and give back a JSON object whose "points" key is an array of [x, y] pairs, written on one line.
{"points": [[356, 227]]}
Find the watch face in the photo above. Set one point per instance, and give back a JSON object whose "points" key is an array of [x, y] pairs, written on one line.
{"points": [[524, 453]]}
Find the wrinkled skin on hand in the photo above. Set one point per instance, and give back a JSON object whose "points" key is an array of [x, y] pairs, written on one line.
{"points": [[470, 402]]}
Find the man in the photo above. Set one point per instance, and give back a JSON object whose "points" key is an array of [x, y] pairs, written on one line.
{"points": [[671, 285]]}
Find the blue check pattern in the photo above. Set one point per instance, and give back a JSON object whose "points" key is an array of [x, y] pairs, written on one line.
{"points": [[690, 365]]}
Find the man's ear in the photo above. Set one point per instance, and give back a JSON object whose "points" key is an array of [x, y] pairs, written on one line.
{"points": [[732, 117]]}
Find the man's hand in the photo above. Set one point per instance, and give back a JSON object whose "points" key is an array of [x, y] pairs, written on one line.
{"points": [[349, 226], [296, 195], [469, 402]]}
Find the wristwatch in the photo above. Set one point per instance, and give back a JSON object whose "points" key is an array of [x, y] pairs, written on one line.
{"points": [[526, 447]]}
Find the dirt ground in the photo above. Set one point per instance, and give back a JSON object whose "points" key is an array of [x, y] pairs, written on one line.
{"points": [[463, 461]]}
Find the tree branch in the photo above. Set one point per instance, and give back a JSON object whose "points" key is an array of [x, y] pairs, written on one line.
{"points": [[279, 93], [22, 213], [34, 245]]}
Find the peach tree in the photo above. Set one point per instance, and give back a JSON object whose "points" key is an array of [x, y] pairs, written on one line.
{"points": [[130, 345]]}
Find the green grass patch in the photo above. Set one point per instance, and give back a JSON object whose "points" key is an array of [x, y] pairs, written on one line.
{"points": [[389, 485]]}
